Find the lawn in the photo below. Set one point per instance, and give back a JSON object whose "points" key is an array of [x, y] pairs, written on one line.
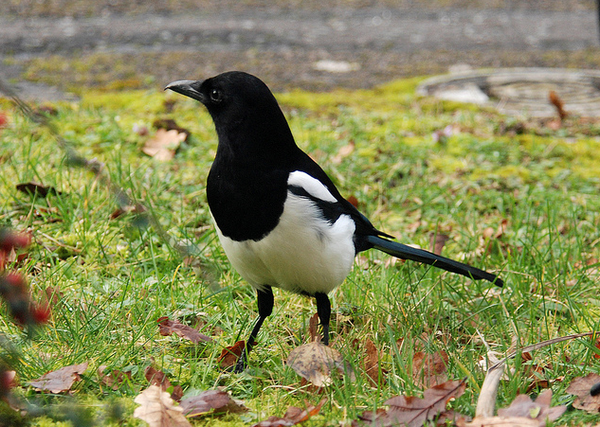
{"points": [[514, 196]]}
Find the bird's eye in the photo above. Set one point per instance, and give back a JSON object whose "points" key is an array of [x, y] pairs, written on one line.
{"points": [[215, 95]]}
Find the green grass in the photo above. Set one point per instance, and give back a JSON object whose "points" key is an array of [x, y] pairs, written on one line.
{"points": [[115, 279]]}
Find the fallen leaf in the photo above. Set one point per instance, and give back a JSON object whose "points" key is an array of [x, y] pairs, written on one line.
{"points": [[372, 363], [292, 416], [61, 380], [217, 400], [114, 379], [168, 327], [503, 422], [158, 378], [437, 242], [429, 369], [35, 189], [558, 104], [169, 124], [412, 411], [158, 409], [353, 200], [586, 390], [343, 152], [230, 355], [164, 144], [315, 362], [540, 410], [313, 324]]}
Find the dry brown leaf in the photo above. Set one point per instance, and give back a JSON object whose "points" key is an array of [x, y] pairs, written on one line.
{"points": [[315, 362], [372, 363], [61, 380], [158, 378], [158, 409], [429, 369], [169, 124], [540, 410], [230, 355], [503, 422], [164, 144], [292, 416], [114, 379], [217, 400], [313, 324], [437, 242], [168, 327], [343, 152], [586, 390], [412, 411], [35, 189]]}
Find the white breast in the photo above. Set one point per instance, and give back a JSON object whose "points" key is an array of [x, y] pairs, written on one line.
{"points": [[304, 253]]}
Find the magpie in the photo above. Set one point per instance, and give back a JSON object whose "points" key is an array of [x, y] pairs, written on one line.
{"points": [[279, 217]]}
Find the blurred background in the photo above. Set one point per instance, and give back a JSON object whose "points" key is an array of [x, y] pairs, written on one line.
{"points": [[53, 49]]}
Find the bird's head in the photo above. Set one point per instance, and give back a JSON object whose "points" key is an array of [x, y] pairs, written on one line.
{"points": [[242, 108]]}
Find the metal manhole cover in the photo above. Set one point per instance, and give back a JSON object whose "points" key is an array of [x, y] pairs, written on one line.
{"points": [[521, 91]]}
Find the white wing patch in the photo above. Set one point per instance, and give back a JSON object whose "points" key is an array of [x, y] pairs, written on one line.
{"points": [[313, 186]]}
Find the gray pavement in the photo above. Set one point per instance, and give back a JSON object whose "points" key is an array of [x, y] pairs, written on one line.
{"points": [[306, 45]]}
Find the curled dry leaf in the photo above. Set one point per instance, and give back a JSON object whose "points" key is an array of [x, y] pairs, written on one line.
{"points": [[292, 416], [164, 144], [231, 354], [413, 411], [315, 362], [586, 390], [168, 327], [61, 380], [217, 400], [158, 409]]}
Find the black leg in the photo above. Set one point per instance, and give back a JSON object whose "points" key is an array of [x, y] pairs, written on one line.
{"points": [[264, 299], [324, 312]]}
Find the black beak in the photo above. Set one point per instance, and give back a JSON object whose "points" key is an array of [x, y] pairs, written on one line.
{"points": [[190, 88]]}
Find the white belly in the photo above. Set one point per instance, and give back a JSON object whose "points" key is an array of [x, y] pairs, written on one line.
{"points": [[304, 253]]}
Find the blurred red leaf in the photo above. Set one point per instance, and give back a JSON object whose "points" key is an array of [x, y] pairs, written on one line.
{"points": [[558, 104], [61, 380], [292, 416], [168, 327]]}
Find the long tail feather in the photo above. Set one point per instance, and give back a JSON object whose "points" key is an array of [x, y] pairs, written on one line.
{"points": [[406, 252]]}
